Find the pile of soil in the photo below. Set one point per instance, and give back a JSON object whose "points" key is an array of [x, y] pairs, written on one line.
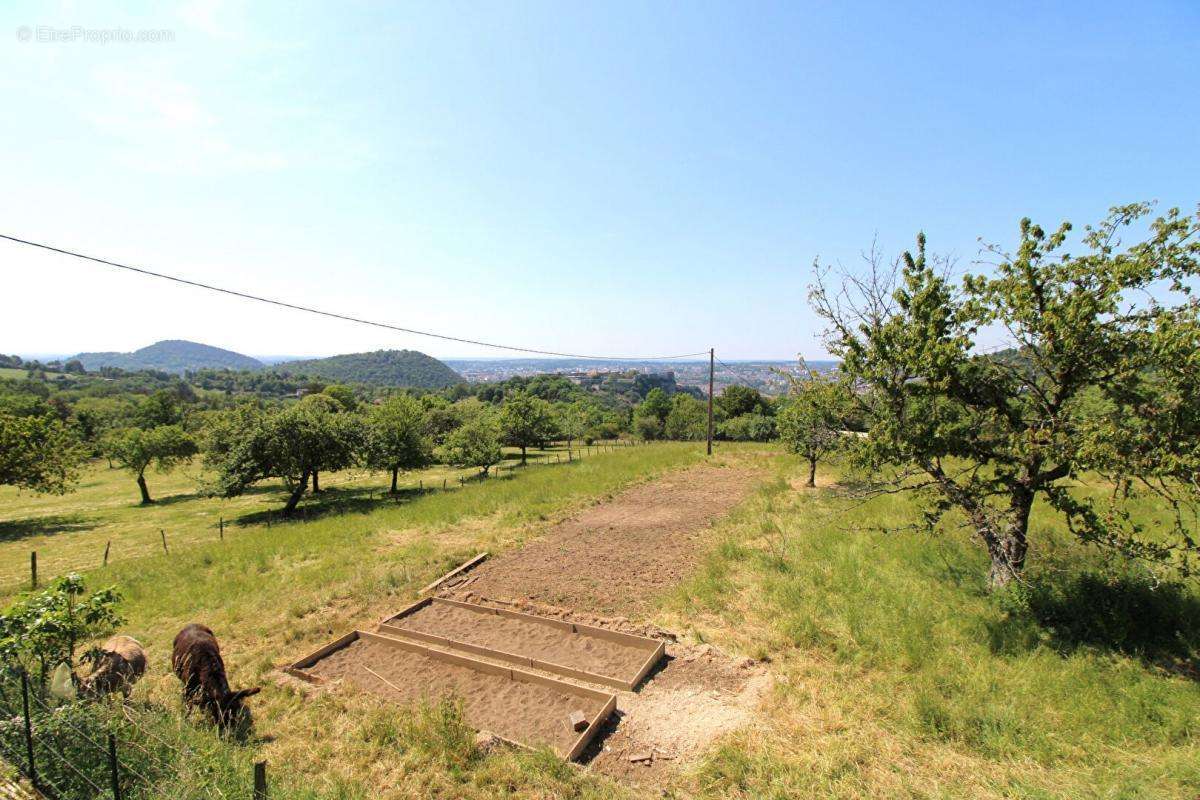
{"points": [[616, 557], [540, 641], [523, 712]]}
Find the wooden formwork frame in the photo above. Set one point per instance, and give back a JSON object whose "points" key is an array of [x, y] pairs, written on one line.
{"points": [[654, 648], [300, 669]]}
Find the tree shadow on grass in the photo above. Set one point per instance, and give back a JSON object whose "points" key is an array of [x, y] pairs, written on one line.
{"points": [[17, 529], [329, 502], [1130, 615]]}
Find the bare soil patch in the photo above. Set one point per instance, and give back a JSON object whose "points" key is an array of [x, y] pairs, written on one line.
{"points": [[616, 557], [523, 712], [521, 637], [696, 695]]}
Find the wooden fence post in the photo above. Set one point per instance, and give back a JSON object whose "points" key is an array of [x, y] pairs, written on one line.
{"points": [[163, 534], [113, 767], [33, 568], [222, 529], [28, 729], [107, 545], [260, 780]]}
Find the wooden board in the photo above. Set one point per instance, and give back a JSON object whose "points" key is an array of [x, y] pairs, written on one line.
{"points": [[301, 667], [654, 649]]}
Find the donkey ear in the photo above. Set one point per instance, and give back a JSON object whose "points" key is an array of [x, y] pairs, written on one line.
{"points": [[243, 693]]}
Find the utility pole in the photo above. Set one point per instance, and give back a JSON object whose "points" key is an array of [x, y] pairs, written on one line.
{"points": [[711, 357]]}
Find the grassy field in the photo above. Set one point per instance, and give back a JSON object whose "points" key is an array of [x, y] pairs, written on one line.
{"points": [[71, 531], [274, 594], [899, 676], [896, 674]]}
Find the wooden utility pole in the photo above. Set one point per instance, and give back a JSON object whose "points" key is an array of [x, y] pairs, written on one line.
{"points": [[711, 358]]}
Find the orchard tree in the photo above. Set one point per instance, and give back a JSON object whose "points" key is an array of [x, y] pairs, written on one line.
{"points": [[475, 443], [1104, 327], [136, 449], [526, 421], [249, 444], [38, 452], [687, 421], [737, 401], [396, 437], [650, 415], [811, 420]]}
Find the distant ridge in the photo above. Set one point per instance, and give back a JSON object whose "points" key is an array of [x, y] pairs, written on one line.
{"points": [[402, 368], [171, 355]]}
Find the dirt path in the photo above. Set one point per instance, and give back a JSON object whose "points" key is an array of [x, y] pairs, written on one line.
{"points": [[616, 557]]}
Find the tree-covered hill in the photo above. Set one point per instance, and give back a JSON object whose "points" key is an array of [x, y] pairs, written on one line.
{"points": [[405, 368], [172, 355]]}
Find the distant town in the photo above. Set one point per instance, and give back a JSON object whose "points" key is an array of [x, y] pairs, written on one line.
{"points": [[769, 377]]}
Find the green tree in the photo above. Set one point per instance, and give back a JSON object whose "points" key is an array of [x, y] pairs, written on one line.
{"points": [[810, 422], [135, 449], [396, 437], [650, 415], [249, 444], [38, 453], [475, 443], [41, 629], [748, 428], [687, 421], [736, 401], [526, 421], [576, 418], [160, 408], [988, 435], [344, 395]]}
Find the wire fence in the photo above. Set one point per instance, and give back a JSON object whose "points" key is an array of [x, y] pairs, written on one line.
{"points": [[87, 751], [513, 465]]}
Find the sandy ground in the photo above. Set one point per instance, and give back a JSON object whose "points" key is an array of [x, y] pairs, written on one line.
{"points": [[523, 712], [530, 639], [616, 557]]}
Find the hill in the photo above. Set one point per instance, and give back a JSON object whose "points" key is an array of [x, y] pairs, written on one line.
{"points": [[172, 355], [407, 368]]}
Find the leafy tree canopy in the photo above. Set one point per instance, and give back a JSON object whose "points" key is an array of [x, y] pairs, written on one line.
{"points": [[1113, 324], [39, 453]]}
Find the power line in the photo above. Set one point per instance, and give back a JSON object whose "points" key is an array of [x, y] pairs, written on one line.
{"points": [[334, 315]]}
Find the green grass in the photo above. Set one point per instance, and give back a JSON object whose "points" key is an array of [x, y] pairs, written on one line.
{"points": [[275, 594], [897, 675], [71, 531], [900, 676]]}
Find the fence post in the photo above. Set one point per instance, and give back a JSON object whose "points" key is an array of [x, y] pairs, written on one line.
{"points": [[421, 485], [33, 568], [28, 729], [443, 484], [260, 780], [107, 545], [113, 767], [163, 534], [222, 529]]}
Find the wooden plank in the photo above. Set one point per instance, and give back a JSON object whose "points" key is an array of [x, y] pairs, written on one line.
{"points": [[408, 609], [461, 568], [653, 659], [592, 729], [609, 699]]}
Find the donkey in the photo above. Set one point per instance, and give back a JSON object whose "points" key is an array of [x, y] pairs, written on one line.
{"points": [[197, 662], [119, 665]]}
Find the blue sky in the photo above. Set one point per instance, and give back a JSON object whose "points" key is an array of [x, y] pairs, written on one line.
{"points": [[626, 179]]}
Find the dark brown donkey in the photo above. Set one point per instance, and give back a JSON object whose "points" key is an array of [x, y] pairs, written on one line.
{"points": [[197, 661]]}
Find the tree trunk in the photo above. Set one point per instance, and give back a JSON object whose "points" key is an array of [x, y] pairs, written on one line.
{"points": [[1008, 546], [522, 455], [297, 493], [316, 482], [395, 475], [141, 482], [812, 473]]}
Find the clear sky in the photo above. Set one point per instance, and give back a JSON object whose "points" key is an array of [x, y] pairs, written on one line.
{"points": [[627, 179]]}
